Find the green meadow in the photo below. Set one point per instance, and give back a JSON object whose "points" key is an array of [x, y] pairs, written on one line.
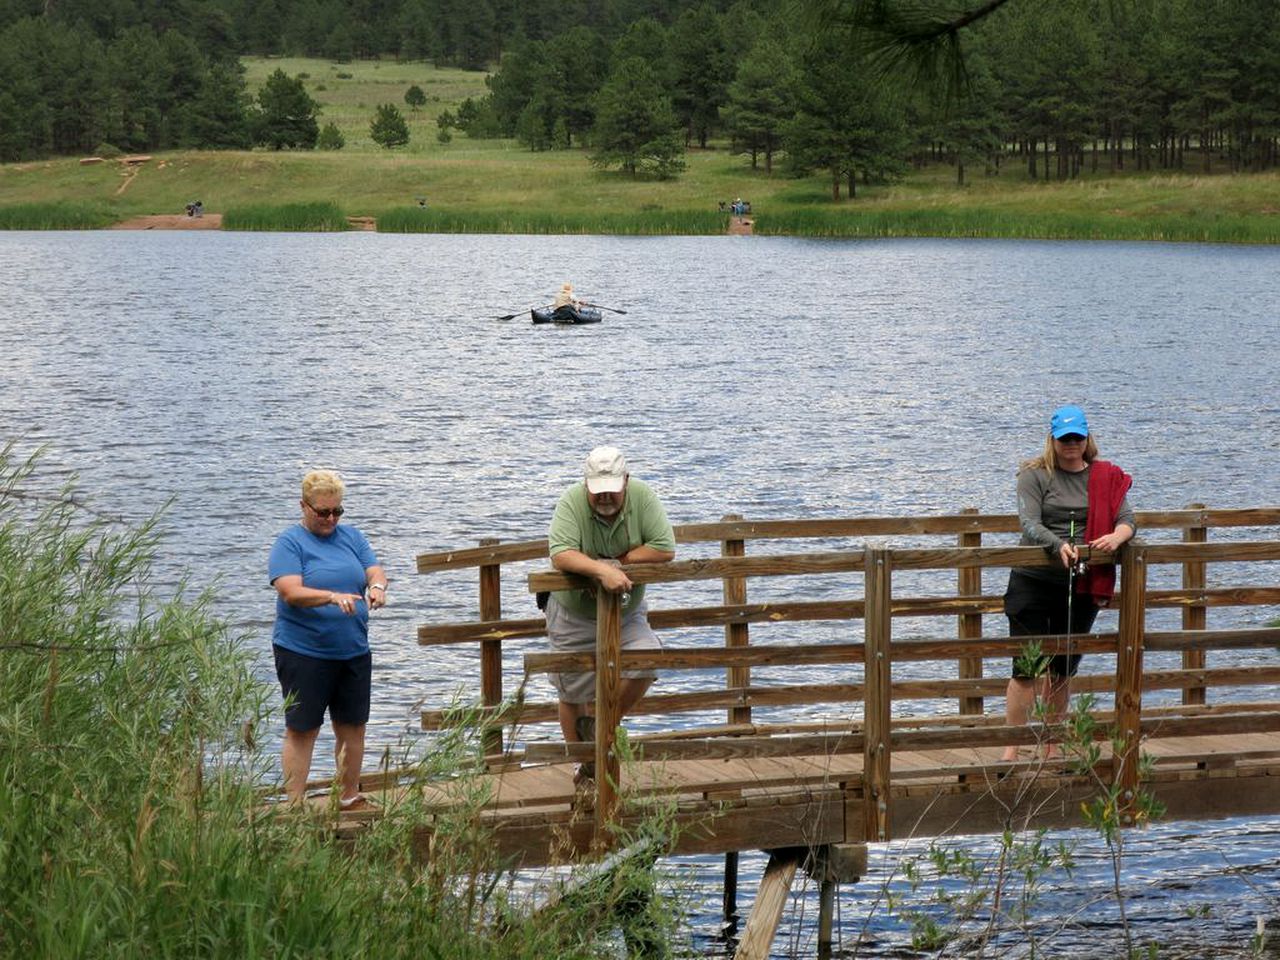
{"points": [[499, 186]]}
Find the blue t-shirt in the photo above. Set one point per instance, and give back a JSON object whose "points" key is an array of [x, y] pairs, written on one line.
{"points": [[337, 562]]}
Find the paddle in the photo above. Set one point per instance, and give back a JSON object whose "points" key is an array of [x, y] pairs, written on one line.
{"points": [[510, 316], [601, 307]]}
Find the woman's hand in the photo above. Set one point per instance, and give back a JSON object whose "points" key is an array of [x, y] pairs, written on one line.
{"points": [[1069, 554], [1112, 542], [346, 601]]}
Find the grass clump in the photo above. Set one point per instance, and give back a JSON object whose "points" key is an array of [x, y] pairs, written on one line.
{"points": [[995, 223], [61, 215], [128, 765], [315, 217], [640, 223]]}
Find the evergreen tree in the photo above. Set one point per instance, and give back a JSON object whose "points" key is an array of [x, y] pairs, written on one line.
{"points": [[703, 71], [287, 114], [848, 123], [579, 63], [650, 41], [414, 97], [636, 127], [761, 101], [331, 138], [388, 128], [219, 115]]}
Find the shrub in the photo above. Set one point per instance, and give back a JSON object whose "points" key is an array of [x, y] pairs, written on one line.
{"points": [[331, 137], [388, 127]]}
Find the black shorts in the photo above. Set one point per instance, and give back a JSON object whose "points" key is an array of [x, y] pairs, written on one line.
{"points": [[341, 686], [1037, 607]]}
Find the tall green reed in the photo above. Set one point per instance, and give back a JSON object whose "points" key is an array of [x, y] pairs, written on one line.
{"points": [[639, 223], [54, 216], [847, 222], [300, 217]]}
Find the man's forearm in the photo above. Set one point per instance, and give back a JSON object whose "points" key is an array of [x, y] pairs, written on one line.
{"points": [[646, 554]]}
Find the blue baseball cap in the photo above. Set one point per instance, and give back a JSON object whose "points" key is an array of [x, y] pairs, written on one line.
{"points": [[1067, 420]]}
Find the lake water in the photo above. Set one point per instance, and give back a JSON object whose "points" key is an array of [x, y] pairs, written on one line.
{"points": [[774, 378]]}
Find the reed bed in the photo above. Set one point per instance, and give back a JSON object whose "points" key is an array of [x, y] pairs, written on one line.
{"points": [[640, 223], [316, 217], [849, 223], [132, 823], [54, 216]]}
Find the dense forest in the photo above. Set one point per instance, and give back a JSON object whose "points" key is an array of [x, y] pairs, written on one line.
{"points": [[1053, 86]]}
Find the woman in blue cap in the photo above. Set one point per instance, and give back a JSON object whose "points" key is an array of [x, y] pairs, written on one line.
{"points": [[1066, 496]]}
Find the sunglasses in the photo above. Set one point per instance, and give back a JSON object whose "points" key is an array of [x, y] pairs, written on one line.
{"points": [[1071, 438], [326, 514]]}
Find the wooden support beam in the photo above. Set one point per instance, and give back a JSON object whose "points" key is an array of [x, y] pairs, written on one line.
{"points": [[608, 709], [1133, 573], [736, 634], [491, 650], [878, 696], [771, 901], [969, 625], [1194, 616]]}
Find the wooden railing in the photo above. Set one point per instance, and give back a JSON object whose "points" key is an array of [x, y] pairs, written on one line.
{"points": [[877, 736]]}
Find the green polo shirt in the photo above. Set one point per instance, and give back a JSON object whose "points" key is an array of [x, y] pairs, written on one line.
{"points": [[575, 527]]}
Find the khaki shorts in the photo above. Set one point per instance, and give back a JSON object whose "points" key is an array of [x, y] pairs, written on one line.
{"points": [[570, 633]]}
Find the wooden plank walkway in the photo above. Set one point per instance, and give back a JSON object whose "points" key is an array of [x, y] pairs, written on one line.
{"points": [[732, 804]]}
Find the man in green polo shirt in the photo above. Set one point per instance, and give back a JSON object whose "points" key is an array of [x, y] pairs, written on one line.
{"points": [[608, 520]]}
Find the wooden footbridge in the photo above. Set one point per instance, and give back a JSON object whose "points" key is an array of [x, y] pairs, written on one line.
{"points": [[897, 739]]}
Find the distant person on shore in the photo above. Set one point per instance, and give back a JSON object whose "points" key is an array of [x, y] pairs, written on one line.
{"points": [[1066, 496], [327, 579], [607, 520]]}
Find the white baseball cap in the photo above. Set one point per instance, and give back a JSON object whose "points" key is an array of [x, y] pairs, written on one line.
{"points": [[605, 470]]}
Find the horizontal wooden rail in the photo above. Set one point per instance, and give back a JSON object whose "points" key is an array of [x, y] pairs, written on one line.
{"points": [[844, 693], [789, 655], [833, 610], [523, 550], [854, 741]]}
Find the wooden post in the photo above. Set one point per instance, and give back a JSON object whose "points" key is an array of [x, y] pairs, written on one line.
{"points": [[1133, 602], [1194, 617], [826, 916], [876, 703], [969, 625], [735, 635], [608, 707], [491, 650]]}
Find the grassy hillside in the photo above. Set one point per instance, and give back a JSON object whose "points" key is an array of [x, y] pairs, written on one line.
{"points": [[486, 184]]}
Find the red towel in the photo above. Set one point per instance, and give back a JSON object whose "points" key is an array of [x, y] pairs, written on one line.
{"points": [[1108, 485]]}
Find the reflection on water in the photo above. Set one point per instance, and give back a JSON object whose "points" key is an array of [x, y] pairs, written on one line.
{"points": [[768, 377]]}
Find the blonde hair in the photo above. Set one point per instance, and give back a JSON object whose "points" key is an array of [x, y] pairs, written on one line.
{"points": [[322, 483], [1048, 460]]}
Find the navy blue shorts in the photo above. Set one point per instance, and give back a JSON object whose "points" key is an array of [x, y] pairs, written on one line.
{"points": [[340, 686], [1037, 607]]}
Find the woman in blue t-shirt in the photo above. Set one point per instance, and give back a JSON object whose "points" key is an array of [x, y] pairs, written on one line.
{"points": [[323, 573]]}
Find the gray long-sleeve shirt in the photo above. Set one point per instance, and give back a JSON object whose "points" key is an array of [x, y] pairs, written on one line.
{"points": [[1052, 510]]}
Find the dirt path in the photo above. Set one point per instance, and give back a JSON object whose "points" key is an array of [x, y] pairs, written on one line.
{"points": [[171, 221], [739, 227]]}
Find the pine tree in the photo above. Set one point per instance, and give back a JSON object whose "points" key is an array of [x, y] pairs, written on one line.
{"points": [[287, 114], [388, 127], [636, 127]]}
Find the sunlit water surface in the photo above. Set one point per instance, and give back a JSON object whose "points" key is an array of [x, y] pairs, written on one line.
{"points": [[773, 378]]}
